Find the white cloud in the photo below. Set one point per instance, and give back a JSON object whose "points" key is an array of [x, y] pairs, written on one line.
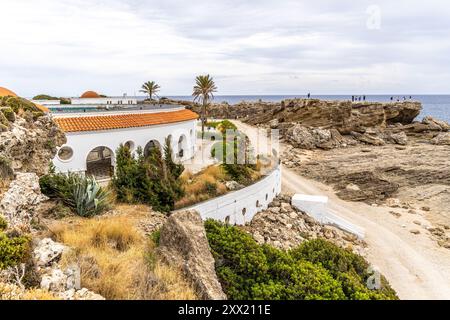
{"points": [[273, 47]]}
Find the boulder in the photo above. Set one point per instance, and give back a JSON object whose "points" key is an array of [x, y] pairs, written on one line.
{"points": [[31, 145], [233, 185], [183, 243], [48, 252], [435, 123], [442, 139], [19, 202]]}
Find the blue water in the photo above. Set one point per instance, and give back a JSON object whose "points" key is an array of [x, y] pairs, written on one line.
{"points": [[437, 106]]}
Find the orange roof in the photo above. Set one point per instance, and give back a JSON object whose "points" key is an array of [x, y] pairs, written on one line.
{"points": [[6, 92], [90, 94], [108, 122]]}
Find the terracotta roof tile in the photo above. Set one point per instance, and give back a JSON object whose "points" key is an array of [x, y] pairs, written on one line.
{"points": [[108, 122]]}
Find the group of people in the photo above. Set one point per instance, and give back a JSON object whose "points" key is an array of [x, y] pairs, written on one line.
{"points": [[398, 98], [358, 98]]}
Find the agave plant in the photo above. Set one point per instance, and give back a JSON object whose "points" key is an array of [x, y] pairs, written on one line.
{"points": [[82, 194], [89, 197]]}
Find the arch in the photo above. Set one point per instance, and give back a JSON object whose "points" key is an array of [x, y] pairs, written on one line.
{"points": [[257, 204], [100, 163], [267, 196], [227, 220], [130, 145], [244, 211], [151, 145], [182, 146]]}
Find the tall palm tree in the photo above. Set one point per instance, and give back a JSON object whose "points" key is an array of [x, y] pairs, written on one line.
{"points": [[150, 88], [204, 91]]}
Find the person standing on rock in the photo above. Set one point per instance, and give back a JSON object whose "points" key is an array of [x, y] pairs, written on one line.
{"points": [[309, 95]]}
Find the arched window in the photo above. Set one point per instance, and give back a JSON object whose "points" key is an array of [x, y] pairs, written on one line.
{"points": [[65, 153], [99, 163]]}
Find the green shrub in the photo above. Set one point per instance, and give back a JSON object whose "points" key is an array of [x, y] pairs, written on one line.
{"points": [[82, 194], [6, 172], [17, 104], [3, 120], [153, 180], [247, 270], [3, 224], [44, 97], [13, 250], [8, 113]]}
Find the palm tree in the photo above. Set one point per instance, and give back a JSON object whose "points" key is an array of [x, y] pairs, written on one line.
{"points": [[204, 91], [150, 88]]}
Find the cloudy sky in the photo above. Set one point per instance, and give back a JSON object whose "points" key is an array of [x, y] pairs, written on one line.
{"points": [[64, 47]]}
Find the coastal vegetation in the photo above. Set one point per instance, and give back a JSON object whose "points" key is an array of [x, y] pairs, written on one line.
{"points": [[207, 184], [83, 195], [317, 269], [48, 97], [150, 88], [204, 92], [153, 180], [18, 106], [119, 262], [14, 249]]}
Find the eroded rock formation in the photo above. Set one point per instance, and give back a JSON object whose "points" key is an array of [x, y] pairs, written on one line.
{"points": [[183, 244]]}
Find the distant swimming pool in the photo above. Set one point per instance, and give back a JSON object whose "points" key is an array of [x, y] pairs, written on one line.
{"points": [[103, 109]]}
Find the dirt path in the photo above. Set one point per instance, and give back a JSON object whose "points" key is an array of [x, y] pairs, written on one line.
{"points": [[415, 265]]}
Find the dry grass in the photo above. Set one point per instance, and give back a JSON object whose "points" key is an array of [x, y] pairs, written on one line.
{"points": [[117, 262], [202, 186], [13, 292]]}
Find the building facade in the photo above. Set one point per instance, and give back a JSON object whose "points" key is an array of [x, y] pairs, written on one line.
{"points": [[92, 140]]}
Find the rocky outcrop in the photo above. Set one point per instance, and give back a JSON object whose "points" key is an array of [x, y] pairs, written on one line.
{"points": [[30, 144], [20, 201], [183, 244], [345, 116], [62, 282], [442, 139], [312, 138], [285, 227]]}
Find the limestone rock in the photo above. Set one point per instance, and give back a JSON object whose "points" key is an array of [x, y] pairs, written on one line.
{"points": [[48, 252], [31, 145], [233, 185], [183, 243], [19, 202], [442, 139], [443, 125]]}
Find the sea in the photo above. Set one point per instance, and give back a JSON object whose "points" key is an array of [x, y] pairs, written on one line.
{"points": [[437, 106]]}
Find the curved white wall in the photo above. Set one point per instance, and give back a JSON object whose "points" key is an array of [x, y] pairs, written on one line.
{"points": [[232, 204], [84, 142]]}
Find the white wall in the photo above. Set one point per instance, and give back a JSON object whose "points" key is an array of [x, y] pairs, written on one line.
{"points": [[47, 102], [105, 101], [232, 204], [84, 142]]}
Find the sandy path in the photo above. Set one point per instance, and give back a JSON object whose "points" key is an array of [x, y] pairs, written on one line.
{"points": [[415, 265]]}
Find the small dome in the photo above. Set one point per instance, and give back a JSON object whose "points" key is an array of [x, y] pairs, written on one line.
{"points": [[6, 92], [90, 94]]}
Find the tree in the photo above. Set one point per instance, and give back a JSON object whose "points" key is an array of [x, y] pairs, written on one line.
{"points": [[150, 88], [204, 91]]}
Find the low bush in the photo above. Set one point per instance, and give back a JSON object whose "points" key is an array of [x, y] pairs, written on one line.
{"points": [[6, 172], [3, 224], [81, 194], [202, 186], [13, 250], [247, 270], [8, 113]]}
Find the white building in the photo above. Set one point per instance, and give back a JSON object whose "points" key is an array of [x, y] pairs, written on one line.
{"points": [[93, 98], [93, 138]]}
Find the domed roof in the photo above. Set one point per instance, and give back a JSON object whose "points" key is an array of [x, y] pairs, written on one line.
{"points": [[90, 94], [6, 92]]}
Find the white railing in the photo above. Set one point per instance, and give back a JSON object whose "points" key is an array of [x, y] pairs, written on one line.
{"points": [[239, 207]]}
